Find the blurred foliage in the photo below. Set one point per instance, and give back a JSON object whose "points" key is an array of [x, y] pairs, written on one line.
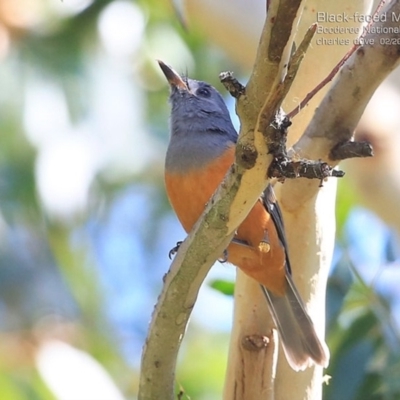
{"points": [[223, 286], [90, 275], [345, 200], [204, 378]]}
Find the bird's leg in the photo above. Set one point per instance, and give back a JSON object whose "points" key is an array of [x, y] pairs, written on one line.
{"points": [[241, 242], [264, 246], [174, 250]]}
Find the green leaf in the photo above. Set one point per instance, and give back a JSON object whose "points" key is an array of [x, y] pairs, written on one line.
{"points": [[225, 287]]}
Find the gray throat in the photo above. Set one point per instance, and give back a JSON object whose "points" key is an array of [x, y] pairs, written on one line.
{"points": [[193, 150]]}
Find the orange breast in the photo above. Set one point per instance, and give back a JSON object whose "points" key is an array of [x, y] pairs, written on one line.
{"points": [[189, 193]]}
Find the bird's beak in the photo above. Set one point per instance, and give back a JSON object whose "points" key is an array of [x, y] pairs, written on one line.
{"points": [[172, 76]]}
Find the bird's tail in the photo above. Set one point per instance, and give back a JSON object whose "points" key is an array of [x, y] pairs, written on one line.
{"points": [[296, 330]]}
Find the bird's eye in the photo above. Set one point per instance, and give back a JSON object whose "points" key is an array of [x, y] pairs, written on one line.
{"points": [[204, 92]]}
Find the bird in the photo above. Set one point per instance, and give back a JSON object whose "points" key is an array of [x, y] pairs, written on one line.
{"points": [[201, 149]]}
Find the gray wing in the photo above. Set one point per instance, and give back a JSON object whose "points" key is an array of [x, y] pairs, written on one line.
{"points": [[271, 205]]}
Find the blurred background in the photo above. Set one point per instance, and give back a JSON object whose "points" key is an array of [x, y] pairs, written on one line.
{"points": [[86, 227]]}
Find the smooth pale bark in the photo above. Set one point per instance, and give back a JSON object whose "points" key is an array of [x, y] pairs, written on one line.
{"points": [[334, 122], [310, 226]]}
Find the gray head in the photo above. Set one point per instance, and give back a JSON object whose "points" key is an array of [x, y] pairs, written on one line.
{"points": [[201, 127]]}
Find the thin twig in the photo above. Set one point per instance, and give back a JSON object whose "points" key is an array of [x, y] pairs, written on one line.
{"points": [[232, 85], [336, 68], [325, 81], [265, 121]]}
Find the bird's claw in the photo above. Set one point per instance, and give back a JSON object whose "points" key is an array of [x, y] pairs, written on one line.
{"points": [[174, 250]]}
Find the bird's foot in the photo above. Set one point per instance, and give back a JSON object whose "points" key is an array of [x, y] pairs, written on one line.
{"points": [[174, 250]]}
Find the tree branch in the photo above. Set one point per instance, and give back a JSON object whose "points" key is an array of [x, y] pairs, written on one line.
{"points": [[308, 210], [339, 112], [348, 149], [195, 256], [224, 213]]}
